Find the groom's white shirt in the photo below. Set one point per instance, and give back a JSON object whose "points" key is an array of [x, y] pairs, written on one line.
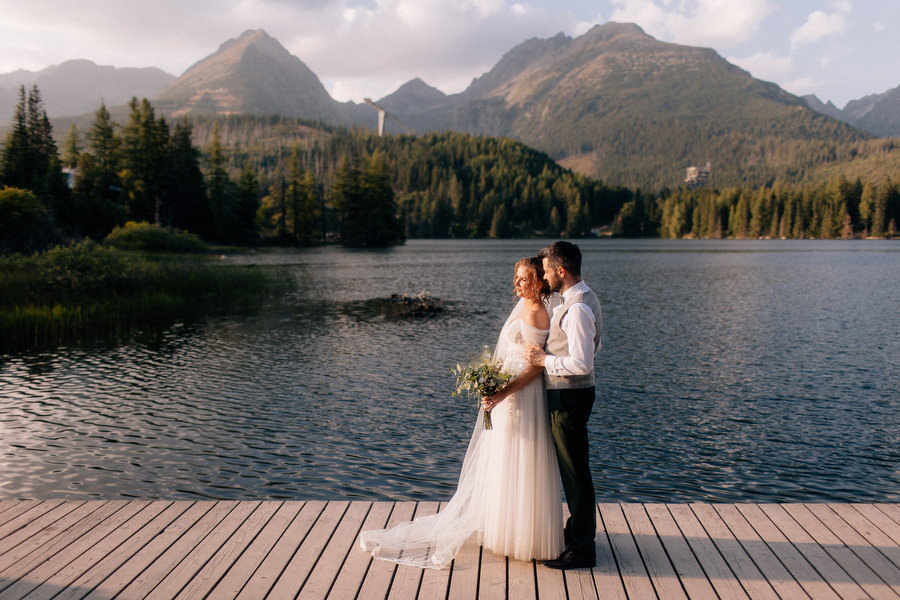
{"points": [[578, 325]]}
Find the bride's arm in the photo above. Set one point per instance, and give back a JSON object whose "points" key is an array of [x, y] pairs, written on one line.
{"points": [[525, 377]]}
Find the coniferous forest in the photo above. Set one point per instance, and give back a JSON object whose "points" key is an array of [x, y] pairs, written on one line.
{"points": [[248, 180]]}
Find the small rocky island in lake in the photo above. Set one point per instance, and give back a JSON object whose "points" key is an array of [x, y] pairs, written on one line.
{"points": [[400, 306]]}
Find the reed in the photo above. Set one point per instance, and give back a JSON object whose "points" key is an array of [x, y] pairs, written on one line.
{"points": [[88, 291]]}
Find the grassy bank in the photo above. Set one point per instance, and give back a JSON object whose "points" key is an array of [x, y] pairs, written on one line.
{"points": [[87, 291]]}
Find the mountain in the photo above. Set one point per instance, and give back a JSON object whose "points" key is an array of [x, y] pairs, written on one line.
{"points": [[251, 74], [615, 103], [826, 108], [878, 114], [78, 86]]}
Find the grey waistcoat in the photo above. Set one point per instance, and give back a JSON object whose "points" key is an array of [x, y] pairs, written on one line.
{"points": [[558, 342]]}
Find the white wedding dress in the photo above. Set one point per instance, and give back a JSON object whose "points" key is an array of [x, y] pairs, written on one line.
{"points": [[509, 487]]}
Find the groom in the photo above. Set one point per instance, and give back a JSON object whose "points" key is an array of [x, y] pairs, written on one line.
{"points": [[568, 363]]}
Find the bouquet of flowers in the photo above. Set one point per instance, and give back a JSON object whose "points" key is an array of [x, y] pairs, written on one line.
{"points": [[483, 378]]}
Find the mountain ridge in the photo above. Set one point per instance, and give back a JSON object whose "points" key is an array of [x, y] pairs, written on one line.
{"points": [[613, 103], [77, 86]]}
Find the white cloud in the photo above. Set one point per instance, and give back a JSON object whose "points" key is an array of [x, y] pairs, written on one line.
{"points": [[446, 44], [698, 22], [817, 26], [766, 65]]}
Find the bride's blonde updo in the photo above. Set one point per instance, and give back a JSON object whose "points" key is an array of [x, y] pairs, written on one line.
{"points": [[536, 284]]}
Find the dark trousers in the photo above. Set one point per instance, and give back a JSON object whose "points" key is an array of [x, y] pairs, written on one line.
{"points": [[569, 412]]}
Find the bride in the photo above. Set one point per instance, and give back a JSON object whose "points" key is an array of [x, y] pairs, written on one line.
{"points": [[508, 491]]}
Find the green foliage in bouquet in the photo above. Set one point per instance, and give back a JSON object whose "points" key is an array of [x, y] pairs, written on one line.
{"points": [[482, 378]]}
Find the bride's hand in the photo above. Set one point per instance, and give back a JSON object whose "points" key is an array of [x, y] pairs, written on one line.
{"points": [[489, 402], [535, 355]]}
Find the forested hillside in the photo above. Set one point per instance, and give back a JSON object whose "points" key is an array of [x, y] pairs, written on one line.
{"points": [[250, 180]]}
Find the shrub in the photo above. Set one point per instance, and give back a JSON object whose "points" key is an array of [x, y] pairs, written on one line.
{"points": [[149, 237], [23, 220]]}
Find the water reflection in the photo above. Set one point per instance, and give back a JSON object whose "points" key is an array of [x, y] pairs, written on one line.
{"points": [[730, 371]]}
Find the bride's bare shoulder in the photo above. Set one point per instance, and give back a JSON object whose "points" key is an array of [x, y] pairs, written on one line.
{"points": [[537, 317]]}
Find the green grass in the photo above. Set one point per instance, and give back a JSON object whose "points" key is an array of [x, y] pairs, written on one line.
{"points": [[88, 291]]}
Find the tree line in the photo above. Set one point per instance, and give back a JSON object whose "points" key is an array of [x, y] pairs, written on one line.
{"points": [[244, 179], [147, 170], [837, 209]]}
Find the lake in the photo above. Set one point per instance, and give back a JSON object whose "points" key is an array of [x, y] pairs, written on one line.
{"points": [[730, 371]]}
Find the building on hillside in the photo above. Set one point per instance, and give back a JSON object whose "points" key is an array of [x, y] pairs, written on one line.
{"points": [[697, 176]]}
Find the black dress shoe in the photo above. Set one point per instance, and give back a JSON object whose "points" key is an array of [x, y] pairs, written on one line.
{"points": [[570, 559]]}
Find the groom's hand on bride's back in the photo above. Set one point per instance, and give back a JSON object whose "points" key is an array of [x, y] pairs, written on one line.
{"points": [[535, 355]]}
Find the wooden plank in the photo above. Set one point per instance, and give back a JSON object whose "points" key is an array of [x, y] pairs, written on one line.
{"points": [[871, 531], [891, 510], [435, 582], [719, 573], [102, 569], [273, 550], [791, 558], [628, 557], [329, 566], [689, 571], [15, 509], [607, 579], [30, 525], [265, 577], [116, 530], [300, 565], [868, 555], [240, 573], [350, 577], [204, 543], [377, 582], [492, 578], [466, 565], [407, 578], [551, 583], [820, 560], [230, 547], [579, 583], [659, 567], [8, 504], [762, 556], [867, 579], [137, 577], [734, 554], [520, 579], [37, 550]]}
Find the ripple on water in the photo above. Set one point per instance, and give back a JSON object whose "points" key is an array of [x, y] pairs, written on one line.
{"points": [[729, 372]]}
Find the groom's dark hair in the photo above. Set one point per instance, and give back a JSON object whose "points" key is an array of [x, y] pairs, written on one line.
{"points": [[563, 254]]}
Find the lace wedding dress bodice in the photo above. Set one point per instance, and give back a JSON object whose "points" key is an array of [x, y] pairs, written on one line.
{"points": [[508, 492]]}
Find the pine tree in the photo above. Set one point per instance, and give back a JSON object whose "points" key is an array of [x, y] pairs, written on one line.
{"points": [[15, 170], [183, 193], [143, 148], [71, 150], [219, 188], [247, 203], [98, 201]]}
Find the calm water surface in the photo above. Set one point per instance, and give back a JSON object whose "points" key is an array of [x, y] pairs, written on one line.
{"points": [[758, 371]]}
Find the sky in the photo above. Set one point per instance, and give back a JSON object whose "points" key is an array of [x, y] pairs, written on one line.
{"points": [[839, 50]]}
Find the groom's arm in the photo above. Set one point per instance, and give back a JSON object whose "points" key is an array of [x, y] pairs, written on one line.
{"points": [[578, 325]]}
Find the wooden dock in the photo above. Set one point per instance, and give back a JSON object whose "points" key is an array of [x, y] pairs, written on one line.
{"points": [[304, 549]]}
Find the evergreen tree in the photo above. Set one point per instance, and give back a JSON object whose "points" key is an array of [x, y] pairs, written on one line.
{"points": [[183, 194], [71, 150], [30, 159], [247, 203], [143, 151], [98, 203], [15, 170], [219, 186]]}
